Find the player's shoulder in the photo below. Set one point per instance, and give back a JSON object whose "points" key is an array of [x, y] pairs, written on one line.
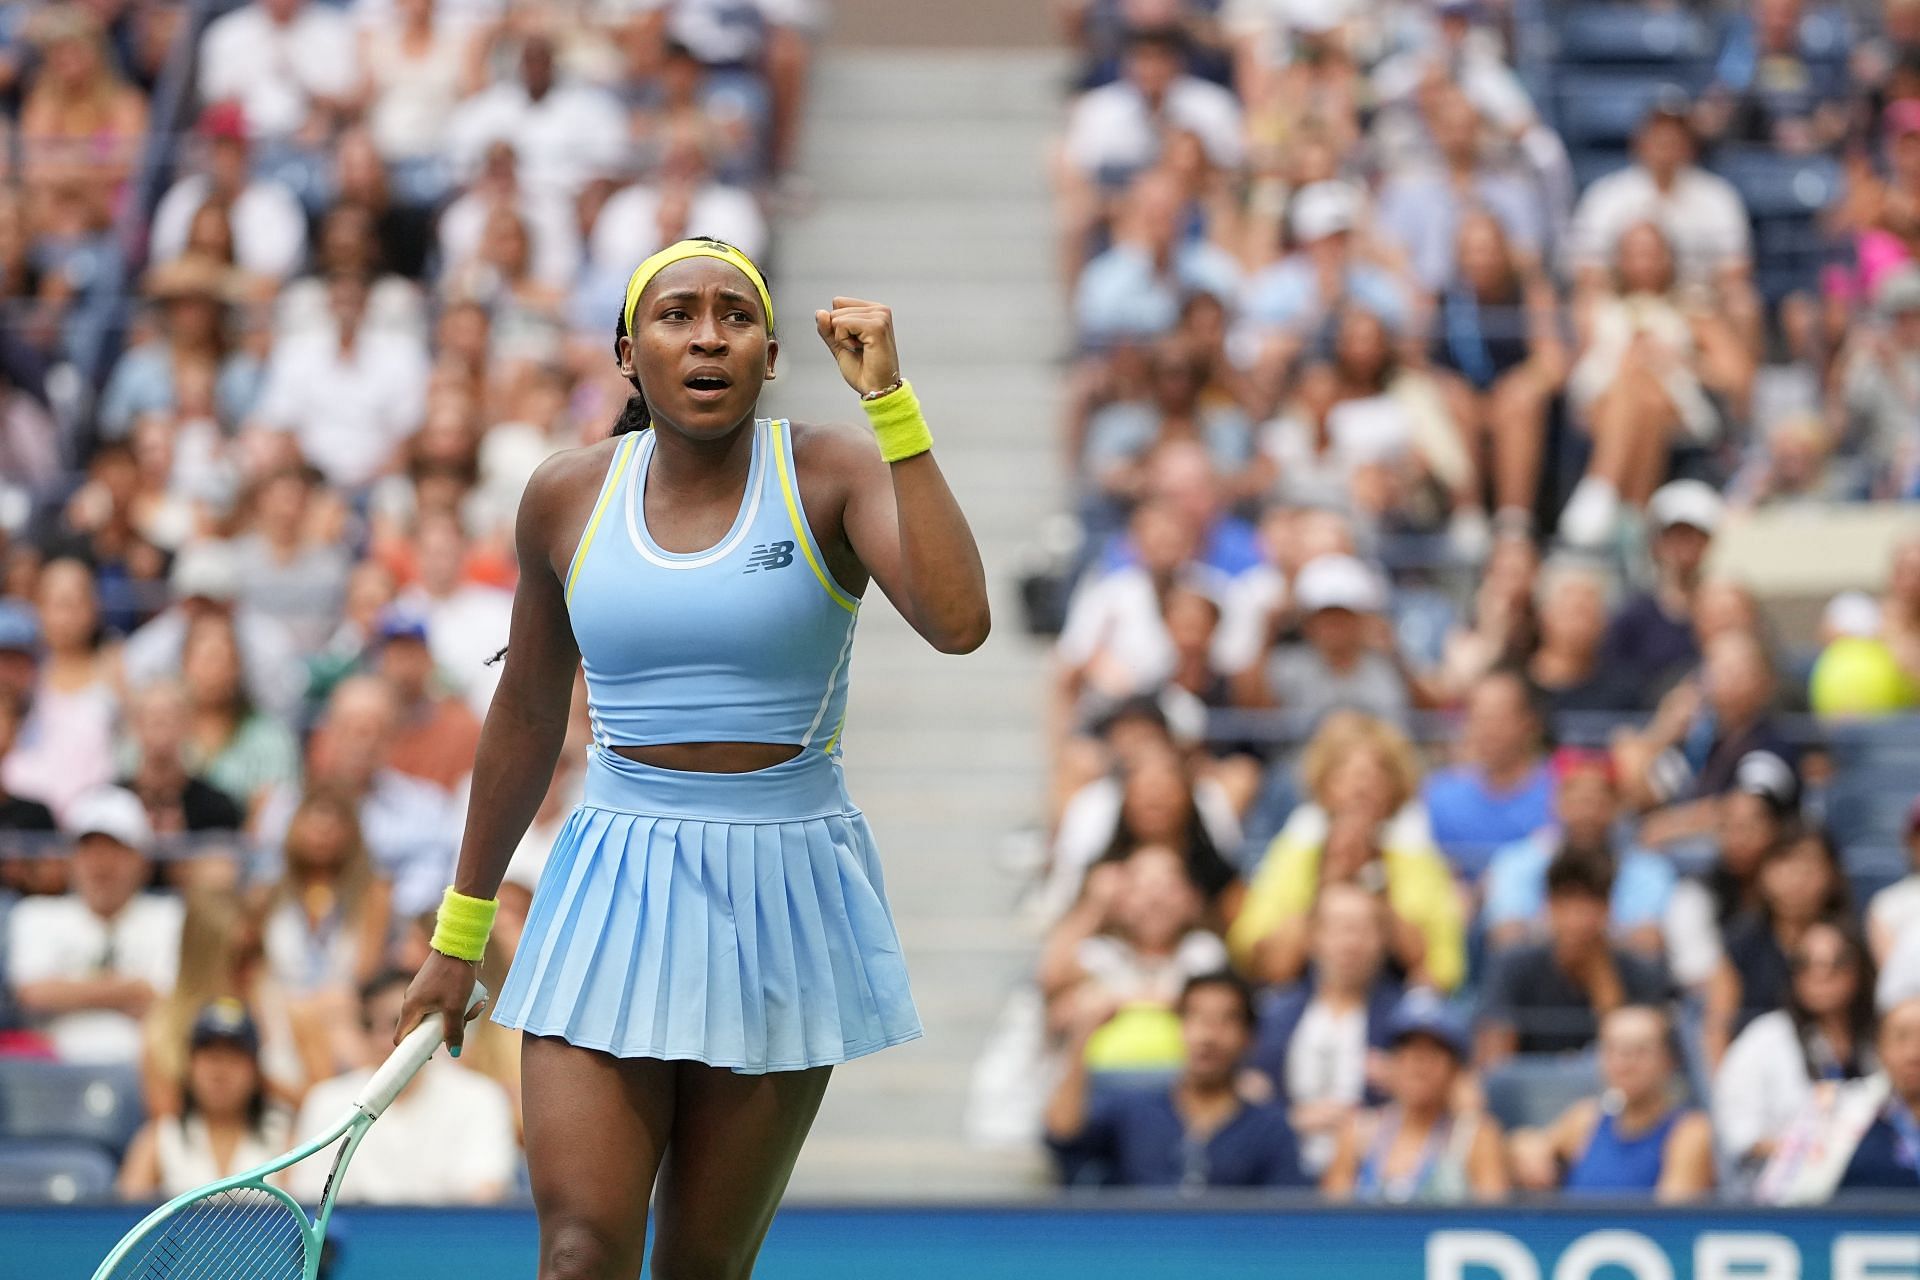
{"points": [[834, 446], [562, 476]]}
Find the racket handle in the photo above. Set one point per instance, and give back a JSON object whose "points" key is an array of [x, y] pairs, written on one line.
{"points": [[393, 1075]]}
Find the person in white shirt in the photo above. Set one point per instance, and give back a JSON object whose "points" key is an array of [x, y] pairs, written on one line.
{"points": [[1894, 912], [290, 64], [1116, 130], [347, 402], [269, 226], [548, 218], [447, 1139], [86, 966], [466, 620], [565, 135], [1700, 213]]}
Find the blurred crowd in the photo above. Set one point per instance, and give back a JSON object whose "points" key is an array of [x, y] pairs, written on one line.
{"points": [[1430, 819], [294, 296]]}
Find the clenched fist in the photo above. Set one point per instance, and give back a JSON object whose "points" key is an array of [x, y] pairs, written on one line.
{"points": [[860, 335]]}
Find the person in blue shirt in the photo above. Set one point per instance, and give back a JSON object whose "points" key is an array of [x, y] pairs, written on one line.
{"points": [[1636, 1138], [1889, 1151], [1196, 1133], [1587, 807], [1502, 790]]}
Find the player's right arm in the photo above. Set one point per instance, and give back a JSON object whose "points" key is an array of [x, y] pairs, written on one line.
{"points": [[527, 721]]}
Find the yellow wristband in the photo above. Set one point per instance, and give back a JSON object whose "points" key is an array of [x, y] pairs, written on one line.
{"points": [[898, 423], [461, 928]]}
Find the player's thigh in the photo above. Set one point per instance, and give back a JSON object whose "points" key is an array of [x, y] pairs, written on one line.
{"points": [[735, 1140], [597, 1127]]}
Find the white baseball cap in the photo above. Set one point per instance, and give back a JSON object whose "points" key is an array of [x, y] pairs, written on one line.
{"points": [[1323, 209], [1338, 581], [1851, 613], [114, 812], [1689, 502]]}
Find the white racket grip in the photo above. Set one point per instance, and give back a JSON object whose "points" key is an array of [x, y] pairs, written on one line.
{"points": [[378, 1093]]}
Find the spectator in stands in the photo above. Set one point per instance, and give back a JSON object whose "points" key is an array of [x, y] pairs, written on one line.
{"points": [[348, 244], [269, 228], [1567, 665], [548, 217], [409, 825], [405, 228], [228, 1121], [1365, 432], [1502, 788], [524, 311], [288, 65], [1198, 1133], [1121, 438], [1117, 131], [1126, 951], [1751, 818], [1182, 474], [563, 135], [466, 619], [1549, 996], [1587, 808], [1880, 379], [1893, 913], [1774, 87], [1637, 1137], [238, 747], [346, 398], [437, 732], [1348, 658], [1289, 301], [1421, 1147], [65, 748], [677, 197], [1821, 1030], [287, 566], [447, 1139], [1660, 367], [193, 295], [1500, 359], [1134, 289], [1652, 635], [18, 813], [1321, 1039], [415, 67], [1885, 1156], [1801, 885], [177, 801], [1424, 208], [1361, 778], [81, 126], [86, 966], [1701, 215]]}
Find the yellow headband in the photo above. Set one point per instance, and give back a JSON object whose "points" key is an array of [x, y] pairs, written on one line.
{"points": [[644, 273]]}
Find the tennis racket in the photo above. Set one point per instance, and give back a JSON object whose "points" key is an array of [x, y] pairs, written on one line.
{"points": [[245, 1228]]}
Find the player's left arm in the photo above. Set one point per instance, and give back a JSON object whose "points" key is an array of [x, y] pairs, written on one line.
{"points": [[901, 519]]}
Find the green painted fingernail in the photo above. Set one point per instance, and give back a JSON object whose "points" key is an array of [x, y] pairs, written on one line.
{"points": [[455, 1051]]}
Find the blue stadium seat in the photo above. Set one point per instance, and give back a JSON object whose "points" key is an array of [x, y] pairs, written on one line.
{"points": [[1632, 34], [56, 1101], [1775, 185], [1605, 108], [1886, 740], [54, 1173], [1534, 1088]]}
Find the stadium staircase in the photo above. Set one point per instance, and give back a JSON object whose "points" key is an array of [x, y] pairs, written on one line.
{"points": [[928, 170]]}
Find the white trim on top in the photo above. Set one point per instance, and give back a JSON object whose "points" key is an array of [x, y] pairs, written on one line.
{"points": [[635, 497]]}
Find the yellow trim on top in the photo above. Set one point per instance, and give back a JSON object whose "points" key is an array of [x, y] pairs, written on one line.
{"points": [[835, 739], [620, 457], [800, 535]]}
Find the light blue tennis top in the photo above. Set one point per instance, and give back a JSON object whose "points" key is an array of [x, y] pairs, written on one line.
{"points": [[747, 641]]}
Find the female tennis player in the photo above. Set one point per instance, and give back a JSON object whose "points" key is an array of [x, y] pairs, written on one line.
{"points": [[711, 933]]}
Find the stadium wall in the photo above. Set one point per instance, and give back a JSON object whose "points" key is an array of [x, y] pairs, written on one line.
{"points": [[1139, 1240]]}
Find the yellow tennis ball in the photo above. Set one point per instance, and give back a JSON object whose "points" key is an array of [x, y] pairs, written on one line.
{"points": [[1858, 676]]}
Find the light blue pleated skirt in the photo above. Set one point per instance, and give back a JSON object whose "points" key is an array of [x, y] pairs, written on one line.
{"points": [[738, 920]]}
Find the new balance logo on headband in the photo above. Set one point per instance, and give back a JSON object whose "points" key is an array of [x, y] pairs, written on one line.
{"points": [[770, 555]]}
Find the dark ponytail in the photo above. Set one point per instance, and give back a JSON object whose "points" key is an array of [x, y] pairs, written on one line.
{"points": [[634, 414]]}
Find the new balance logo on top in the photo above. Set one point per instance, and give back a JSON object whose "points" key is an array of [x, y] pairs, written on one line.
{"points": [[770, 555]]}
